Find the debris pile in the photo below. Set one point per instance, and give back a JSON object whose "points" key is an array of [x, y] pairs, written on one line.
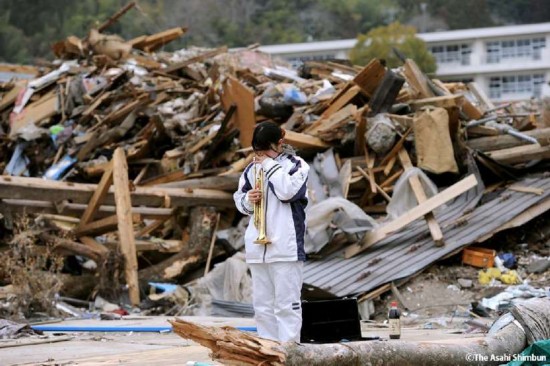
{"points": [[128, 158]]}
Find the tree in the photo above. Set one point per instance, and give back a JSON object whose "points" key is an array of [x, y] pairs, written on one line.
{"points": [[379, 43], [11, 41]]}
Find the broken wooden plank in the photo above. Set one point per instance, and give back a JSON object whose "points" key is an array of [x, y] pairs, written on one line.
{"points": [[369, 159], [125, 110], [10, 97], [98, 196], [417, 212], [520, 154], [38, 189], [333, 121], [157, 40], [507, 141], [376, 186], [525, 189], [396, 148], [342, 101], [157, 224], [176, 176], [304, 141], [417, 80], [484, 101], [112, 19], [125, 223], [228, 182], [244, 118], [418, 190], [102, 226], [76, 209], [33, 113], [163, 246], [444, 101], [370, 77], [212, 242], [94, 245]]}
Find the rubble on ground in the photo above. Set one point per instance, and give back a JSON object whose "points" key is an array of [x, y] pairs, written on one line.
{"points": [[124, 158]]}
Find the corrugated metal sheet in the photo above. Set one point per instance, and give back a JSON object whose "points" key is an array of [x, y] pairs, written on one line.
{"points": [[412, 249]]}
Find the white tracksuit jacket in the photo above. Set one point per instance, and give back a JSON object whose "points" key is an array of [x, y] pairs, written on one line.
{"points": [[286, 185]]}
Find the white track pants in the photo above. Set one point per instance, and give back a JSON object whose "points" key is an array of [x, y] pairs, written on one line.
{"points": [[276, 289]]}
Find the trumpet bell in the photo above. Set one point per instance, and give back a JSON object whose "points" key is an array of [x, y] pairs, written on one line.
{"points": [[262, 241]]}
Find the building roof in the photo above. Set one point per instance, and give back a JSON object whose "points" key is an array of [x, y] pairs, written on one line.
{"points": [[434, 37]]}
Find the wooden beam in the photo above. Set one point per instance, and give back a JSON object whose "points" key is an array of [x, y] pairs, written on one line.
{"points": [[445, 101], [99, 195], [483, 99], [94, 245], [76, 209], [223, 183], [212, 242], [125, 223], [163, 246], [175, 176], [418, 190], [303, 141], [507, 141], [106, 24], [100, 226], [151, 227], [46, 107], [520, 154], [334, 120], [526, 189], [157, 40], [10, 97], [39, 189], [338, 104], [376, 186], [416, 79], [417, 212], [396, 148]]}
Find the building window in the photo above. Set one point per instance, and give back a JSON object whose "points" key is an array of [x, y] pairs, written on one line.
{"points": [[494, 88], [516, 85], [493, 52], [538, 81], [454, 53], [519, 48]]}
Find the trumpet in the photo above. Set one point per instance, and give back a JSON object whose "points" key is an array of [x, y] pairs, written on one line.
{"points": [[260, 207]]}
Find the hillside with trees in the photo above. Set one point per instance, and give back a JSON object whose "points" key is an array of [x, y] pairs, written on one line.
{"points": [[28, 27]]}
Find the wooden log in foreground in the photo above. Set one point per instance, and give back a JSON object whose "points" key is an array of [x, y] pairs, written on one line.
{"points": [[233, 347]]}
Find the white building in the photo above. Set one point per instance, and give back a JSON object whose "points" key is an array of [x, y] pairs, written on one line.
{"points": [[508, 63]]}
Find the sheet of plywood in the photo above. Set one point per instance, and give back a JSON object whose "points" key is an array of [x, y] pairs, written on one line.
{"points": [[244, 118], [33, 113]]}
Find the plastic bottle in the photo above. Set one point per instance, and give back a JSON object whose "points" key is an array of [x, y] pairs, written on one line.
{"points": [[394, 318]]}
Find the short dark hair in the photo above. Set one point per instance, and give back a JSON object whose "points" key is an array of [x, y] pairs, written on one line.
{"points": [[265, 135]]}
